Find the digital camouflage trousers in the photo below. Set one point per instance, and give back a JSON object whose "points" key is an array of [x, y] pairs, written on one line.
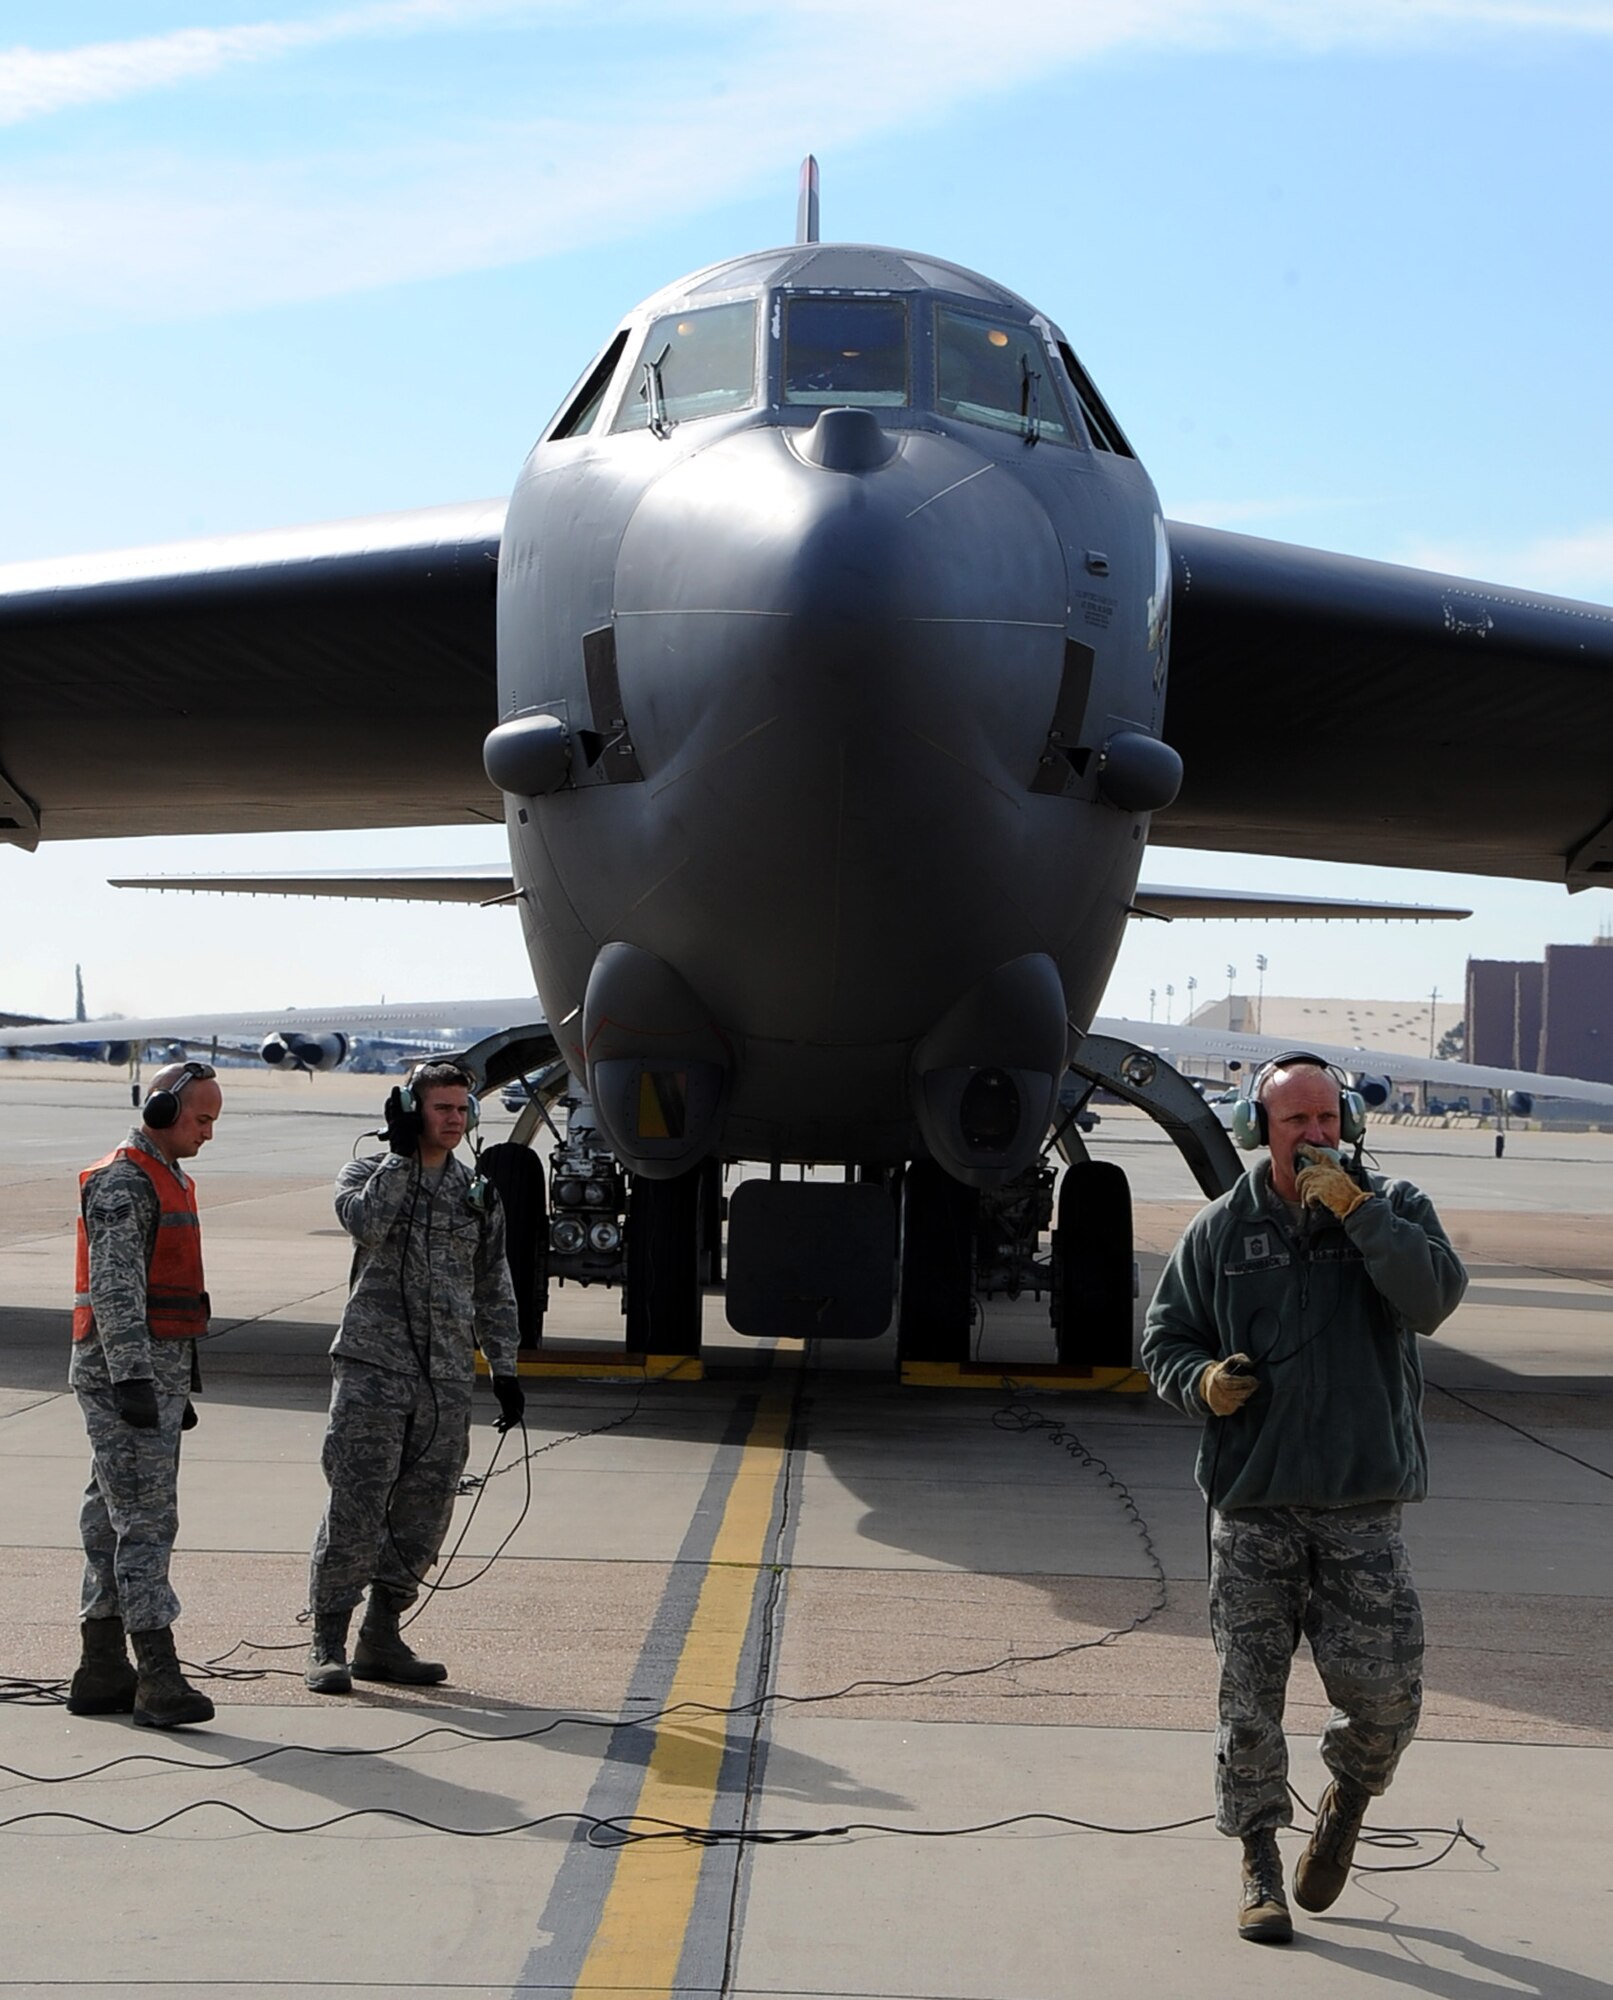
{"points": [[1339, 1577], [130, 1514], [395, 1447]]}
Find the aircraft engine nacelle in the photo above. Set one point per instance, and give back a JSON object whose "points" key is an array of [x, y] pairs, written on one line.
{"points": [[1520, 1102], [1375, 1091], [289, 1050]]}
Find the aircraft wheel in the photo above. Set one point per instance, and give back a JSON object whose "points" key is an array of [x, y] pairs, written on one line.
{"points": [[663, 1264], [935, 1297], [1092, 1267], [517, 1173]]}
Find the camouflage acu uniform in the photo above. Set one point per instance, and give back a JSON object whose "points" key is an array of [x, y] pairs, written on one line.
{"points": [[1309, 1477], [429, 1284], [130, 1514], [1340, 1576]]}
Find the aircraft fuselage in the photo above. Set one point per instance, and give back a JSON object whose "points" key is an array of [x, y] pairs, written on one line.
{"points": [[836, 670]]}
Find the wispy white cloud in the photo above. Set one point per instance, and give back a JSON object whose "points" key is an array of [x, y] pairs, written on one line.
{"points": [[37, 82], [169, 233], [1579, 564]]}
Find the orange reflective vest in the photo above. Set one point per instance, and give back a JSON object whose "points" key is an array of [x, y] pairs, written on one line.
{"points": [[176, 1301]]}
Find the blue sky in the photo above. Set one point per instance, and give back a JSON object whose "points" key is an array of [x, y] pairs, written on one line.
{"points": [[1342, 272]]}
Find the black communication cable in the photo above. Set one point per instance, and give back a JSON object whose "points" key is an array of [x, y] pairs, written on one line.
{"points": [[631, 1829]]}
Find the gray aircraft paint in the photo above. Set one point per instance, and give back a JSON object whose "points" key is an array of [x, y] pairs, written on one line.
{"points": [[838, 686]]}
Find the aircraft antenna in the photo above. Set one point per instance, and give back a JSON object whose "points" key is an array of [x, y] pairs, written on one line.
{"points": [[806, 212]]}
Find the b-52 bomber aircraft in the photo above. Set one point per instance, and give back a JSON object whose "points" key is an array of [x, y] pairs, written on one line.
{"points": [[830, 665]]}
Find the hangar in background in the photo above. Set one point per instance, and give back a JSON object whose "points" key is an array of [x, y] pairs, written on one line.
{"points": [[1551, 1014]]}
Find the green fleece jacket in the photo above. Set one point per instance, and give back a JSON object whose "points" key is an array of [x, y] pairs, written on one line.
{"points": [[1329, 1313]]}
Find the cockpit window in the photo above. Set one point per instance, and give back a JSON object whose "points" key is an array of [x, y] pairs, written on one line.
{"points": [[850, 352], [693, 364], [997, 372], [582, 410]]}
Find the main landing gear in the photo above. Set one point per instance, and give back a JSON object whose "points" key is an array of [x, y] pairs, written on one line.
{"points": [[959, 1245], [839, 1259]]}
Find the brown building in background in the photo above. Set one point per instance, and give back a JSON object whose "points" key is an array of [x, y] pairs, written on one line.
{"points": [[1555, 1017]]}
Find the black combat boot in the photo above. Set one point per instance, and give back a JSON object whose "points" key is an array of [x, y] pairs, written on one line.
{"points": [[327, 1656], [103, 1682], [382, 1653], [1263, 1908], [163, 1698], [1324, 1867]]}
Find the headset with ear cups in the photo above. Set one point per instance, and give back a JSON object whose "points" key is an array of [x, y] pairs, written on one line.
{"points": [[408, 1101], [161, 1109], [1249, 1113]]}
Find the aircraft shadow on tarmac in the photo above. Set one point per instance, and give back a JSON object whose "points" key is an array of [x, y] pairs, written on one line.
{"points": [[1493, 1971], [927, 1470]]}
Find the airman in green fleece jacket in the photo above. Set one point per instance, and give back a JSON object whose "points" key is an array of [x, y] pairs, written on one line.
{"points": [[1288, 1317]]}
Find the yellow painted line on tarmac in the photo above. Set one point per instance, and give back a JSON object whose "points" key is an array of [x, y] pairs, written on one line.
{"points": [[1040, 1374], [589, 1364], [645, 1918]]}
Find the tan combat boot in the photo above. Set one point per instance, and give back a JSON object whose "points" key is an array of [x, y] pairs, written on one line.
{"points": [[1263, 1908], [1324, 1867]]}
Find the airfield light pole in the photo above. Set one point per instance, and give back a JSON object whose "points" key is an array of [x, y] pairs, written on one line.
{"points": [[1192, 988], [1170, 995], [1433, 1011], [1153, 995], [1260, 989]]}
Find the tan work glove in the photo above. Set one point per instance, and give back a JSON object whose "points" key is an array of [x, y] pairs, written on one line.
{"points": [[1224, 1392], [1323, 1183]]}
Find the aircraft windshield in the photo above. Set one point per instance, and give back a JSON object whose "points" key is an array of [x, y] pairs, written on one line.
{"points": [[845, 351], [693, 364], [997, 373]]}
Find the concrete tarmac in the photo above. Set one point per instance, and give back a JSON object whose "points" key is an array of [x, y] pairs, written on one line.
{"points": [[964, 1607]]}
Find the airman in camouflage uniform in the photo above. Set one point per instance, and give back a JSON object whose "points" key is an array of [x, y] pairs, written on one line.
{"points": [[1289, 1316], [429, 1285], [139, 1310]]}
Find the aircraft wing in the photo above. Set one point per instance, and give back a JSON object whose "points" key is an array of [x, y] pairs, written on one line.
{"points": [[1178, 1044], [336, 676], [423, 1017], [470, 882], [1168, 902], [1355, 711]]}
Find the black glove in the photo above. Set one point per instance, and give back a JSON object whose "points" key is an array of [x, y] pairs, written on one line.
{"points": [[511, 1402], [403, 1128], [189, 1420], [136, 1403]]}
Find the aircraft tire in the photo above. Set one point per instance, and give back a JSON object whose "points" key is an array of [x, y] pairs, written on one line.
{"points": [[1092, 1267], [935, 1296], [517, 1173], [663, 1264]]}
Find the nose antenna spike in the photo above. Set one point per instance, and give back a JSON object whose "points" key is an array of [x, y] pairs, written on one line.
{"points": [[806, 210]]}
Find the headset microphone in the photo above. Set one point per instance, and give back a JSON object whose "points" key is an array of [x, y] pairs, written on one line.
{"points": [[409, 1095], [1249, 1125]]}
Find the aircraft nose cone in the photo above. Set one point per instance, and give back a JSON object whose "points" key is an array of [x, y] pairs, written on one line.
{"points": [[847, 441]]}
